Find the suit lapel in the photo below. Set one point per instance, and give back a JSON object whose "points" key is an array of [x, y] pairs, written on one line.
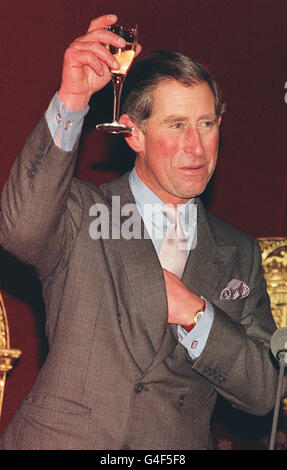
{"points": [[142, 268], [210, 264]]}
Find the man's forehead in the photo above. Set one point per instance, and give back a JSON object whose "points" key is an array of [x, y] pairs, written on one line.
{"points": [[173, 96]]}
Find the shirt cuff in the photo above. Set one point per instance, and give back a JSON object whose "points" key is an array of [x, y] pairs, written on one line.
{"points": [[65, 125], [195, 340]]}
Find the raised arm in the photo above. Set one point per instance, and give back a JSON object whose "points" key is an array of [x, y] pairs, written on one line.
{"points": [[35, 221]]}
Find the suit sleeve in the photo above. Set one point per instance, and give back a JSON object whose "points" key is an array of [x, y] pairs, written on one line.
{"points": [[237, 358], [35, 225]]}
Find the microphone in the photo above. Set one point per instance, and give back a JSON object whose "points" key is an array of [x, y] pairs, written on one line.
{"points": [[278, 346]]}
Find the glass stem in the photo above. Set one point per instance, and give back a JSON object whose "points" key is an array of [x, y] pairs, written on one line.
{"points": [[118, 80]]}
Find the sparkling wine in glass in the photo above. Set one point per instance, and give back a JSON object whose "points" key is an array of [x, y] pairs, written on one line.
{"points": [[125, 57]]}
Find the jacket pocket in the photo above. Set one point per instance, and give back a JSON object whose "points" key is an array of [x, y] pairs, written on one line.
{"points": [[53, 403]]}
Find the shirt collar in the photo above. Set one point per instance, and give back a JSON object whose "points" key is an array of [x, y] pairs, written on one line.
{"points": [[148, 202]]}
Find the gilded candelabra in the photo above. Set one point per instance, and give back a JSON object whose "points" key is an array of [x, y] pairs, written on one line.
{"points": [[274, 262]]}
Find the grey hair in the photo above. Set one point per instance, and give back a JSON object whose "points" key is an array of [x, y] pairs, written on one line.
{"points": [[157, 66]]}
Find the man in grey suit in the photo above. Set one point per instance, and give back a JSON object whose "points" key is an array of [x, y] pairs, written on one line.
{"points": [[137, 353]]}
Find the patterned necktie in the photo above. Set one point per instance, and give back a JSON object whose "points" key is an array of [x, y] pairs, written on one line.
{"points": [[173, 252]]}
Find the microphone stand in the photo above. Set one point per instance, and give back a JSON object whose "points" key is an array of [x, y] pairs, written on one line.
{"points": [[282, 364]]}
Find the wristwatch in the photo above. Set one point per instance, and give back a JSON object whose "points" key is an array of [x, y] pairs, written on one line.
{"points": [[196, 318]]}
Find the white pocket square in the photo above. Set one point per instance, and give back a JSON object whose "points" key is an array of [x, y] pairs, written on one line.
{"points": [[234, 290]]}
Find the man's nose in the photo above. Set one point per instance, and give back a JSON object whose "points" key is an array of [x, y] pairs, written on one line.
{"points": [[193, 142]]}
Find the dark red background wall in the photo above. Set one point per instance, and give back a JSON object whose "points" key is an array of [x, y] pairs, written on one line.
{"points": [[242, 42]]}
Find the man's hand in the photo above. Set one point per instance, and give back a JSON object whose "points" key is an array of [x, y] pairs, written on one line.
{"points": [[182, 303], [87, 63]]}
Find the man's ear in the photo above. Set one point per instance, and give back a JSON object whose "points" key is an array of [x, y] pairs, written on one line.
{"points": [[135, 139]]}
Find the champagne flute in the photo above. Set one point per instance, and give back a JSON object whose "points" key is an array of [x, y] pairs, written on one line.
{"points": [[125, 57]]}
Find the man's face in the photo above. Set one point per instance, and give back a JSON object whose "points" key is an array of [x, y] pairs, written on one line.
{"points": [[178, 151]]}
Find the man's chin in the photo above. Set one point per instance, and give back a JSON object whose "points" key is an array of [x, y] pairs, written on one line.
{"points": [[191, 192]]}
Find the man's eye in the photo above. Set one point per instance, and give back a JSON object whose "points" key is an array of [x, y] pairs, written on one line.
{"points": [[177, 125], [206, 125], [209, 123]]}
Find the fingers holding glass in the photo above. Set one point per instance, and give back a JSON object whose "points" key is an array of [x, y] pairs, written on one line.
{"points": [[125, 53], [87, 63]]}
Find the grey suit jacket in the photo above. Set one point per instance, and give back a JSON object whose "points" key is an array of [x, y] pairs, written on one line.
{"points": [[116, 376]]}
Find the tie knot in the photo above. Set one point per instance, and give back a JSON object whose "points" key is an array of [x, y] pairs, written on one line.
{"points": [[172, 213], [176, 229]]}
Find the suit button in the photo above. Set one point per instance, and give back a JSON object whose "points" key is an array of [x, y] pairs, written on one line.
{"points": [[30, 174], [181, 400], [139, 387], [125, 447]]}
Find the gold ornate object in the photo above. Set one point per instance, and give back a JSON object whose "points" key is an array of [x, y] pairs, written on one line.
{"points": [[7, 355], [274, 262]]}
